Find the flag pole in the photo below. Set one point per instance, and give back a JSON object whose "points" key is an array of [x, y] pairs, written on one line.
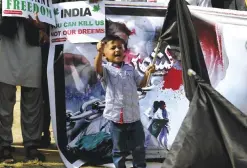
{"points": [[154, 59]]}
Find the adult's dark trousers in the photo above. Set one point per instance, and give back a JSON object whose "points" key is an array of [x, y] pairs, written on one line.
{"points": [[31, 114]]}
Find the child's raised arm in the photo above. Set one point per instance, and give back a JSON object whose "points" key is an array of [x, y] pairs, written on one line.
{"points": [[148, 72], [98, 58]]}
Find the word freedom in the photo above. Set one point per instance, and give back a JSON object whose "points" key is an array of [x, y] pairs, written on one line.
{"points": [[30, 6]]}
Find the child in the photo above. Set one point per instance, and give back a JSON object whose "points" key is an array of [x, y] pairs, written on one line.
{"points": [[122, 107]]}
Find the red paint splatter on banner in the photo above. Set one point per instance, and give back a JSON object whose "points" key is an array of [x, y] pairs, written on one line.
{"points": [[173, 79], [133, 32], [211, 46], [128, 56]]}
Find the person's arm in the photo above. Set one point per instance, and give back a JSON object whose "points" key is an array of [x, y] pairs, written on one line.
{"points": [[165, 114], [79, 84], [98, 64], [43, 27], [98, 59], [148, 72], [148, 112]]}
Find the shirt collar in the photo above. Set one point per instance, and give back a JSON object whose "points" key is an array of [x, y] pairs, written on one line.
{"points": [[117, 65]]}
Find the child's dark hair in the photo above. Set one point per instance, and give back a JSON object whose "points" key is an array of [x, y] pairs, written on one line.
{"points": [[156, 105], [108, 38], [162, 102]]}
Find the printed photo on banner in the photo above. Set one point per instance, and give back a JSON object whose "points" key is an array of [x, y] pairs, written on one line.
{"points": [[83, 134], [78, 22], [24, 8], [87, 132]]}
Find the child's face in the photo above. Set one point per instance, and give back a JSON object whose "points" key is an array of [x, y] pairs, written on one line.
{"points": [[114, 51]]}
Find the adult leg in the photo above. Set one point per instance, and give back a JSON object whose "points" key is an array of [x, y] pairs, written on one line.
{"points": [[120, 149], [32, 121], [137, 144], [7, 102]]}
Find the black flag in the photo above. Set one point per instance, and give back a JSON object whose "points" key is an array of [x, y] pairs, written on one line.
{"points": [[213, 133], [178, 22]]}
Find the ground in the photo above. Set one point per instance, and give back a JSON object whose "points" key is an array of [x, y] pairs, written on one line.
{"points": [[52, 155], [53, 159]]}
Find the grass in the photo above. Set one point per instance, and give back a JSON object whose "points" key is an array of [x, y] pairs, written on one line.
{"points": [[33, 164]]}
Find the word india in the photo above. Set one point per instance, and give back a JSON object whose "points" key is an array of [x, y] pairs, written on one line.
{"points": [[75, 12], [39, 6]]}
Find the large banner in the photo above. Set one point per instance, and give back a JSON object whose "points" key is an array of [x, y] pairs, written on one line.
{"points": [[77, 97]]}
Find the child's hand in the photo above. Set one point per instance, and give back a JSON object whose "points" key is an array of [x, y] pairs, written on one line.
{"points": [[100, 47], [151, 69]]}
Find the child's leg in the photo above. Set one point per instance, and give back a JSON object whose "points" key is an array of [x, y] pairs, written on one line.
{"points": [[120, 149], [137, 143]]}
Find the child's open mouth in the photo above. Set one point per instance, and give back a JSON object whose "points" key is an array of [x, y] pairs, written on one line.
{"points": [[117, 55]]}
